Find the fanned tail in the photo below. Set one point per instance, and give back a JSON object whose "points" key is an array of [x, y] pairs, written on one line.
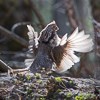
{"points": [[78, 42]]}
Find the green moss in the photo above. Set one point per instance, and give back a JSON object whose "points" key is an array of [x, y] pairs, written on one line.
{"points": [[71, 82], [85, 97], [80, 97], [28, 77], [38, 75], [39, 81], [29, 90], [69, 95], [42, 98], [90, 96], [58, 79], [59, 90]]}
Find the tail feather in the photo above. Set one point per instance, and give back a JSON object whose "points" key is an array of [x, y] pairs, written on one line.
{"points": [[74, 34], [81, 44], [79, 39], [78, 42]]}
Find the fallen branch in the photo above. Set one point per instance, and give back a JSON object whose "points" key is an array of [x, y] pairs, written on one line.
{"points": [[15, 37], [4, 66], [10, 71], [20, 70]]}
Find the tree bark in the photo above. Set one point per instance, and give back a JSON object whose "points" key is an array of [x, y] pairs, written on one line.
{"points": [[87, 60]]}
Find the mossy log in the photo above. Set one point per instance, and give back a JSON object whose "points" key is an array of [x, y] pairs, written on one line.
{"points": [[40, 86]]}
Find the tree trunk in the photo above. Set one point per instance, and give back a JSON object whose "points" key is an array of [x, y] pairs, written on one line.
{"points": [[88, 60]]}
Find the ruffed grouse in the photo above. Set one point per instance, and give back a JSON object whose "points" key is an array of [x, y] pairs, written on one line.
{"points": [[57, 53]]}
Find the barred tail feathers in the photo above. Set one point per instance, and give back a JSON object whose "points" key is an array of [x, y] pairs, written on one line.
{"points": [[78, 42]]}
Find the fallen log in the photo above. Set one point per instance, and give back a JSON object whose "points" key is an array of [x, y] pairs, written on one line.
{"points": [[36, 87], [13, 36]]}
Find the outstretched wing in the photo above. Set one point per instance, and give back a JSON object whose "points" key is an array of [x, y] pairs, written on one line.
{"points": [[33, 44], [64, 56], [33, 39]]}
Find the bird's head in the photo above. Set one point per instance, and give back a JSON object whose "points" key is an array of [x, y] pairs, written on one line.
{"points": [[49, 34]]}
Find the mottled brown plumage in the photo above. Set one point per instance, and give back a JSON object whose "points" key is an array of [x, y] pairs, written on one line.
{"points": [[54, 52]]}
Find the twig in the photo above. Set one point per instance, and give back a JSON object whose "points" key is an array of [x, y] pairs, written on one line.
{"points": [[13, 36], [5, 65], [3, 89], [20, 70], [20, 91], [19, 97], [11, 88], [10, 70], [95, 22], [20, 24]]}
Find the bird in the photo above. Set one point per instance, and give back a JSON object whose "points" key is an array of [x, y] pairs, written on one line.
{"points": [[54, 52]]}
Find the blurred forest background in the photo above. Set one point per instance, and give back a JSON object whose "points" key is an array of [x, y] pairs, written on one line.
{"points": [[68, 14]]}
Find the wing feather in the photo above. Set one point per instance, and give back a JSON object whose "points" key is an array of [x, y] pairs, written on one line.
{"points": [[77, 42], [33, 39], [63, 40], [73, 34]]}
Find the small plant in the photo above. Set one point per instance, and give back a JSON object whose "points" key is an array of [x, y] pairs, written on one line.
{"points": [[90, 96], [59, 90], [42, 98], [72, 83], [28, 77], [38, 75], [80, 97], [58, 79], [85, 97], [39, 81], [69, 95]]}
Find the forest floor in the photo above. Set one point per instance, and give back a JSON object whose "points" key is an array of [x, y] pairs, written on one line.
{"points": [[47, 86]]}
